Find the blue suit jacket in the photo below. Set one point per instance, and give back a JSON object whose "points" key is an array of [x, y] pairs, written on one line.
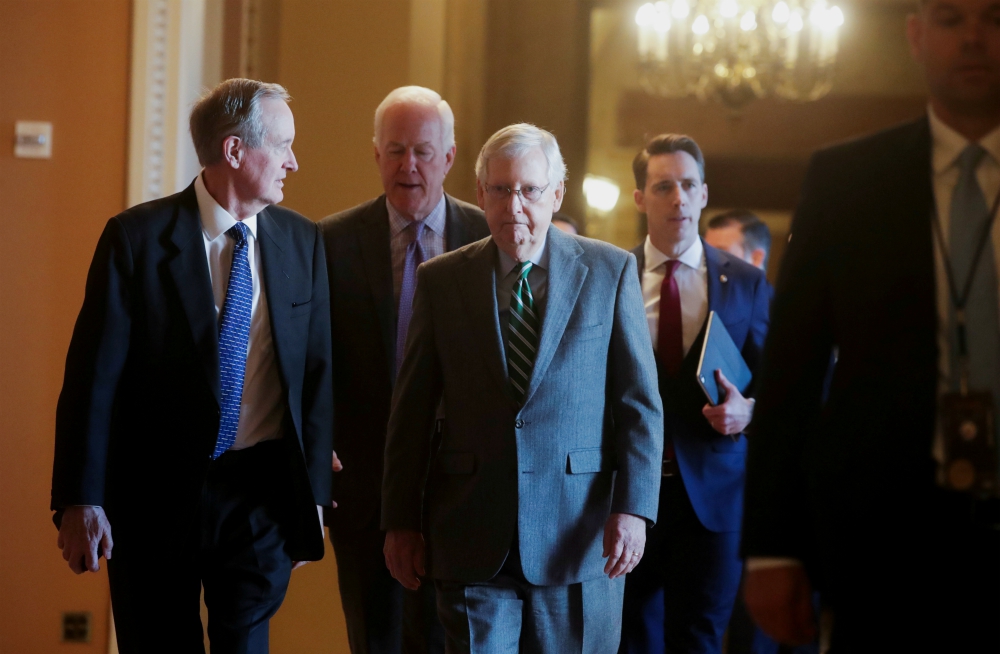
{"points": [[713, 466], [586, 442]]}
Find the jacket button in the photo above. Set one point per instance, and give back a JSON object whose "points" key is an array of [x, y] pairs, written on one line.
{"points": [[519, 423]]}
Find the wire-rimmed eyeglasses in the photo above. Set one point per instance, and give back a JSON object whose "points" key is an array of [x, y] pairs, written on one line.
{"points": [[527, 193]]}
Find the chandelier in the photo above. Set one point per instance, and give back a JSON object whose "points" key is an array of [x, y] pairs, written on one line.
{"points": [[738, 50]]}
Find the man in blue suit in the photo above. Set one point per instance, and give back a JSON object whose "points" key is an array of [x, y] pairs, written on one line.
{"points": [[525, 441], [680, 597]]}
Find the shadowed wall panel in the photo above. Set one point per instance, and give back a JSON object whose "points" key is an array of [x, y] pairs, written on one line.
{"points": [[64, 61]]}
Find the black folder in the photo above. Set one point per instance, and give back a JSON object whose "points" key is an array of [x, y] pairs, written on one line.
{"points": [[718, 352]]}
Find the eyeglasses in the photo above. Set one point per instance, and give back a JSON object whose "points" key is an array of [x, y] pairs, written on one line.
{"points": [[527, 193]]}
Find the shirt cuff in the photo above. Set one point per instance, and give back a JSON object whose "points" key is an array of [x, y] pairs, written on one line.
{"points": [[765, 562]]}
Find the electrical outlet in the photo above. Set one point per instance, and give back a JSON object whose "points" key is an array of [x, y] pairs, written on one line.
{"points": [[76, 627]]}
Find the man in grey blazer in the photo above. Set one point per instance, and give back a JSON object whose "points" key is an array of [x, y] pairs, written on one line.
{"points": [[528, 502], [372, 254]]}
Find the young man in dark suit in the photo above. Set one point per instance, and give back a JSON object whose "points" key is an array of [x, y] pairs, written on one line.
{"points": [[680, 596], [858, 496], [194, 422], [373, 251]]}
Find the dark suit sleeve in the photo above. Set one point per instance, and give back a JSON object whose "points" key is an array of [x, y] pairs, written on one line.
{"points": [[795, 359], [635, 402], [760, 320], [411, 423], [94, 366], [317, 387]]}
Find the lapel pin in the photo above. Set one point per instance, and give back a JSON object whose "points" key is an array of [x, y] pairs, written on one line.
{"points": [[723, 279]]}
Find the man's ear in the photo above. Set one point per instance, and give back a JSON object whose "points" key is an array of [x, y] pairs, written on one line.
{"points": [[232, 151], [480, 195], [914, 34], [757, 256], [449, 159], [560, 192], [640, 200]]}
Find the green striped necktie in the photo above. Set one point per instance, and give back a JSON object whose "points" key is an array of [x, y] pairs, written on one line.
{"points": [[522, 337]]}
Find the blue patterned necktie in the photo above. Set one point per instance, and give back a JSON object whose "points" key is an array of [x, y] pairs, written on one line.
{"points": [[969, 213], [414, 257], [234, 336]]}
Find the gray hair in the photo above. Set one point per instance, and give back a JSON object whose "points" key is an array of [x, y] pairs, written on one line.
{"points": [[231, 109], [514, 141], [423, 97]]}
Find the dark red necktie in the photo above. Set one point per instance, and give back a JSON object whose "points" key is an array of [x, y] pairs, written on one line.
{"points": [[670, 340]]}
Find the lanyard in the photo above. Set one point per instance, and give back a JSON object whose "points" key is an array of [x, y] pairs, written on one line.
{"points": [[959, 299]]}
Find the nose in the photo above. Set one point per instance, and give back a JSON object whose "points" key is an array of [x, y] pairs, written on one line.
{"points": [[410, 161], [291, 164], [974, 34], [514, 203]]}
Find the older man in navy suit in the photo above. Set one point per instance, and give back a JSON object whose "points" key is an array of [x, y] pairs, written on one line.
{"points": [[195, 421], [681, 595]]}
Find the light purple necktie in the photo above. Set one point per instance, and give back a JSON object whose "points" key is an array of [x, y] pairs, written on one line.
{"points": [[414, 257]]}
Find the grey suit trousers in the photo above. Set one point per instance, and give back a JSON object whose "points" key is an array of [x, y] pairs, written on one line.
{"points": [[509, 615]]}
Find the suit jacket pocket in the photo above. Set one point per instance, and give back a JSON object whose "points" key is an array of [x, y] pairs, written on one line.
{"points": [[593, 459], [456, 463], [583, 333], [302, 308]]}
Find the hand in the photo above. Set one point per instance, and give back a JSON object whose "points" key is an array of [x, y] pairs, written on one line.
{"points": [[780, 601], [337, 466], [83, 529], [624, 543], [732, 416], [404, 556], [319, 510]]}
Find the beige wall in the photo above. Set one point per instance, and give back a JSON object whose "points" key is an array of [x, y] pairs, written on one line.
{"points": [[338, 59], [64, 61]]}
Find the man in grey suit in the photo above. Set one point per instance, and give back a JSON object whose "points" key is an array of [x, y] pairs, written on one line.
{"points": [[528, 503], [372, 252]]}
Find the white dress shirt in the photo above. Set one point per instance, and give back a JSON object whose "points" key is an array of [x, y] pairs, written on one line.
{"points": [[692, 282], [946, 146], [262, 407]]}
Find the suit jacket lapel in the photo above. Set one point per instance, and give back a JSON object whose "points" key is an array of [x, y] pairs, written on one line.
{"points": [[479, 295], [272, 241], [566, 274], [189, 268], [717, 270], [640, 259], [912, 186], [377, 257], [456, 227]]}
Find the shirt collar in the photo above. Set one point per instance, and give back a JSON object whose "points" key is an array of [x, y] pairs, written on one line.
{"points": [[216, 221], [540, 258], [434, 220], [690, 257], [948, 144]]}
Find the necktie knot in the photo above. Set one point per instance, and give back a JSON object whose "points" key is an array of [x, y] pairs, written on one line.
{"points": [[672, 266], [239, 233], [969, 160], [417, 227], [523, 269]]}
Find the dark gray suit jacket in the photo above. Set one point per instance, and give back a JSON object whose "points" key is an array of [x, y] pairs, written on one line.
{"points": [[587, 441], [363, 317]]}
